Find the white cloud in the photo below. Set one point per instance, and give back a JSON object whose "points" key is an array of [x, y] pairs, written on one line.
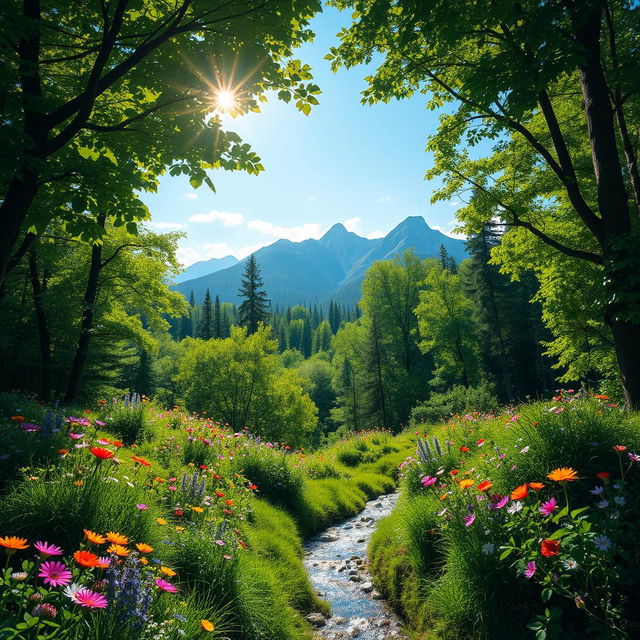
{"points": [[166, 225], [384, 199], [447, 232], [454, 203], [295, 234], [247, 250], [187, 256], [190, 196], [374, 235], [227, 218], [216, 250], [352, 224]]}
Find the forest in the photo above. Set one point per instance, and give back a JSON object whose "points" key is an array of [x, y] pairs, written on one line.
{"points": [[459, 448]]}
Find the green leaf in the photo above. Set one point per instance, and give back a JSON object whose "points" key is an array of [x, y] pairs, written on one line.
{"points": [[556, 535], [506, 553]]}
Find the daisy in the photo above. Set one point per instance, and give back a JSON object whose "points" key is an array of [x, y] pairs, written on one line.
{"points": [[488, 548], [71, 590], [514, 507], [548, 507], [90, 599], [530, 570], [55, 574], [166, 586], [602, 543], [47, 549], [597, 491]]}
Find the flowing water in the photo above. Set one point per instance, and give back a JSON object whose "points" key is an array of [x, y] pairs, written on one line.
{"points": [[336, 562]]}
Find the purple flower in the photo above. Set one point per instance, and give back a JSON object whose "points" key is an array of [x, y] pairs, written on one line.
{"points": [[597, 491], [142, 506], [530, 570], [47, 549], [469, 519], [498, 504], [548, 507]]}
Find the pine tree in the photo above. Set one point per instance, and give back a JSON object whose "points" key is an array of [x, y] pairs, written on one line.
{"points": [[144, 380], [254, 308], [192, 299], [306, 343], [205, 327], [334, 316], [217, 320]]}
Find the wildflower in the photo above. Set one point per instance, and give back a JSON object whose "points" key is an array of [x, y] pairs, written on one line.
{"points": [[229, 503], [497, 502], [44, 610], [144, 548], [480, 442], [71, 590], [94, 538], [19, 576], [597, 491], [117, 538], [563, 474], [465, 484], [603, 475], [163, 585], [63, 452], [197, 509], [168, 572], [570, 564], [453, 472], [488, 548], [117, 444], [620, 500], [90, 599], [549, 548], [207, 626], [514, 507], [524, 449], [427, 481], [469, 519], [103, 563], [520, 493], [47, 549], [634, 457], [619, 448], [141, 461], [76, 436], [55, 574], [602, 543], [86, 558], [13, 543], [464, 449], [78, 483], [118, 550], [161, 521], [485, 486], [104, 441], [603, 504], [100, 453], [17, 418], [548, 507], [536, 486], [530, 570]]}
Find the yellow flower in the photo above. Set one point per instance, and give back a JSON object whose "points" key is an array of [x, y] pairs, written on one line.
{"points": [[168, 572], [144, 548], [116, 538], [143, 561], [207, 626], [197, 509], [563, 474], [179, 528], [119, 550], [161, 521], [465, 484]]}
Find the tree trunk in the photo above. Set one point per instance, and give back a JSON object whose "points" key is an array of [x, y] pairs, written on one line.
{"points": [[626, 338], [44, 335], [86, 325]]}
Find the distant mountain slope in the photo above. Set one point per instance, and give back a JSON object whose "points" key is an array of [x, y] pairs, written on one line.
{"points": [[315, 271], [205, 267]]}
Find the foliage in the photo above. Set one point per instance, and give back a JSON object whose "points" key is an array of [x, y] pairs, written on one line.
{"points": [[127, 418]]}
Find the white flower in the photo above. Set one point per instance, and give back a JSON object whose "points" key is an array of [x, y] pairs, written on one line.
{"points": [[570, 564], [488, 548], [602, 543], [597, 491], [524, 449], [514, 507], [70, 591]]}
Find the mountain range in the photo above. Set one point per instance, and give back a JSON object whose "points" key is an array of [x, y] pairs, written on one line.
{"points": [[316, 271]]}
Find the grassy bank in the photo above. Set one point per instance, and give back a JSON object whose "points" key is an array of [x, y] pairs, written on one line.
{"points": [[488, 543], [218, 516]]}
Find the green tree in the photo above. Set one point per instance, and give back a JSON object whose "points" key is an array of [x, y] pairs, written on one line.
{"points": [[217, 320], [255, 305], [205, 326], [240, 380], [323, 336], [554, 85], [447, 327], [88, 86]]}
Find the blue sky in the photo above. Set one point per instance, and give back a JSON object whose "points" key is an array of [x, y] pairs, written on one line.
{"points": [[360, 165]]}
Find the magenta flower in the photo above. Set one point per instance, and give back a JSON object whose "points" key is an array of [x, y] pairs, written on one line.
{"points": [[90, 599], [469, 519], [498, 504], [166, 586], [100, 423], [76, 436], [29, 427], [142, 507], [634, 457], [47, 549], [55, 573], [530, 570], [548, 507], [427, 481]]}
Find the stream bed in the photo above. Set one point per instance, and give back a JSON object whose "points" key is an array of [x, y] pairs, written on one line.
{"points": [[336, 561]]}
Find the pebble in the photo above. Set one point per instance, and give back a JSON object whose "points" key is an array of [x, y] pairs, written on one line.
{"points": [[316, 619]]}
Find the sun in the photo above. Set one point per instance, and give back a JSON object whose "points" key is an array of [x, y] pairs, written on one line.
{"points": [[225, 100]]}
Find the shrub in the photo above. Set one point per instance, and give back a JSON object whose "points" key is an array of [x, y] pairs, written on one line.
{"points": [[127, 418]]}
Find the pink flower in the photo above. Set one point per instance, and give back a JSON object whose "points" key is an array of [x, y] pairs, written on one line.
{"points": [[469, 519], [142, 507], [499, 503], [47, 549], [76, 436], [530, 570], [90, 599], [166, 586], [548, 507], [427, 481], [55, 573]]}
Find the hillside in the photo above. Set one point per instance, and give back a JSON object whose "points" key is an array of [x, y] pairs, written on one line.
{"points": [[314, 271]]}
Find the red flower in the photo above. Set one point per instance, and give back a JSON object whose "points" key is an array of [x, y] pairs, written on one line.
{"points": [[520, 493], [117, 443], [219, 494], [603, 475], [178, 512], [619, 448], [484, 486], [453, 472], [464, 449], [142, 461], [101, 454], [549, 548]]}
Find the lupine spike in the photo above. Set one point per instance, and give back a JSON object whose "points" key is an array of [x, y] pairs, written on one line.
{"points": [[437, 446]]}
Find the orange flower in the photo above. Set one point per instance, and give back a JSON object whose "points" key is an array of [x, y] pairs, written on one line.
{"points": [[161, 521], [119, 550], [143, 561], [549, 548], [14, 543], [86, 558], [168, 572], [563, 474], [520, 493], [17, 418], [219, 494], [142, 461], [619, 448], [144, 548], [78, 483], [484, 486], [536, 486], [601, 397], [207, 626], [444, 496], [159, 479], [117, 538], [94, 538], [453, 472], [465, 484], [229, 503], [197, 509]]}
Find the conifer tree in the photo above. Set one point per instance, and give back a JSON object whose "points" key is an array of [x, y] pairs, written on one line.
{"points": [[205, 326], [306, 342], [217, 320], [254, 307]]}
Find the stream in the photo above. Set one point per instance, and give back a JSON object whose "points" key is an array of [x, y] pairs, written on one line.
{"points": [[336, 561]]}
